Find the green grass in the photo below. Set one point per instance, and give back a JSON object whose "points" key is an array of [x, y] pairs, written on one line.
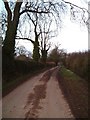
{"points": [[76, 92], [69, 74]]}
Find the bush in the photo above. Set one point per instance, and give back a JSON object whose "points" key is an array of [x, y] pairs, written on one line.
{"points": [[78, 63], [17, 68]]}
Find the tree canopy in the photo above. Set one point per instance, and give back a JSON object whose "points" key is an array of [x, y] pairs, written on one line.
{"points": [[35, 13]]}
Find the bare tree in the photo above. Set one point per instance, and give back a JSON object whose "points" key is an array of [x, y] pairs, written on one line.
{"points": [[52, 9], [46, 34], [57, 55], [36, 18], [12, 24], [42, 29]]}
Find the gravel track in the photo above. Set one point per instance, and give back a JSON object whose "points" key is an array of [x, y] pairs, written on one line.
{"points": [[39, 97]]}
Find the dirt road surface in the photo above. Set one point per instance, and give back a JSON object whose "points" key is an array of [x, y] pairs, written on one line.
{"points": [[39, 97]]}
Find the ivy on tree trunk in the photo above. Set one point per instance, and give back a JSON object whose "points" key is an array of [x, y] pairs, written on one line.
{"points": [[13, 20], [36, 54]]}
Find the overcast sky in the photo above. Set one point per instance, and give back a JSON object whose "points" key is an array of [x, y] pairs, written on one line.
{"points": [[73, 37]]}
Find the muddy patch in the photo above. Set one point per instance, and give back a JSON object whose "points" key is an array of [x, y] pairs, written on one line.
{"points": [[30, 99], [34, 100], [35, 97], [46, 76]]}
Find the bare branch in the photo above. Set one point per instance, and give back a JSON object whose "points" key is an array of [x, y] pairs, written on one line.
{"points": [[8, 10], [17, 37], [17, 9], [71, 4], [33, 11], [31, 18]]}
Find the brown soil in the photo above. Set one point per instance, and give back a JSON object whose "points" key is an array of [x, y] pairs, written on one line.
{"points": [[39, 93], [75, 93]]}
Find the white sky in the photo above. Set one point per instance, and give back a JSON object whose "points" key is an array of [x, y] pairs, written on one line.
{"points": [[72, 37]]}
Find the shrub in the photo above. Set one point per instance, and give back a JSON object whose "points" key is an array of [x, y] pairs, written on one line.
{"points": [[18, 68], [78, 62]]}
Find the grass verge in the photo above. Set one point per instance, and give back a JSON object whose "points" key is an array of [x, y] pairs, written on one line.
{"points": [[75, 90]]}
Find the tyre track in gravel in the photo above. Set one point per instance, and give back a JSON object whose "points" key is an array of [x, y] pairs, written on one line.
{"points": [[40, 97], [13, 104], [39, 93]]}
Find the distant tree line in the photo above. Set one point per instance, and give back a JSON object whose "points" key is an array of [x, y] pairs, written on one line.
{"points": [[79, 63], [57, 55]]}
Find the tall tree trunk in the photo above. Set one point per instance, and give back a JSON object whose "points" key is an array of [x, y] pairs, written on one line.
{"points": [[44, 53], [9, 42], [36, 54]]}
